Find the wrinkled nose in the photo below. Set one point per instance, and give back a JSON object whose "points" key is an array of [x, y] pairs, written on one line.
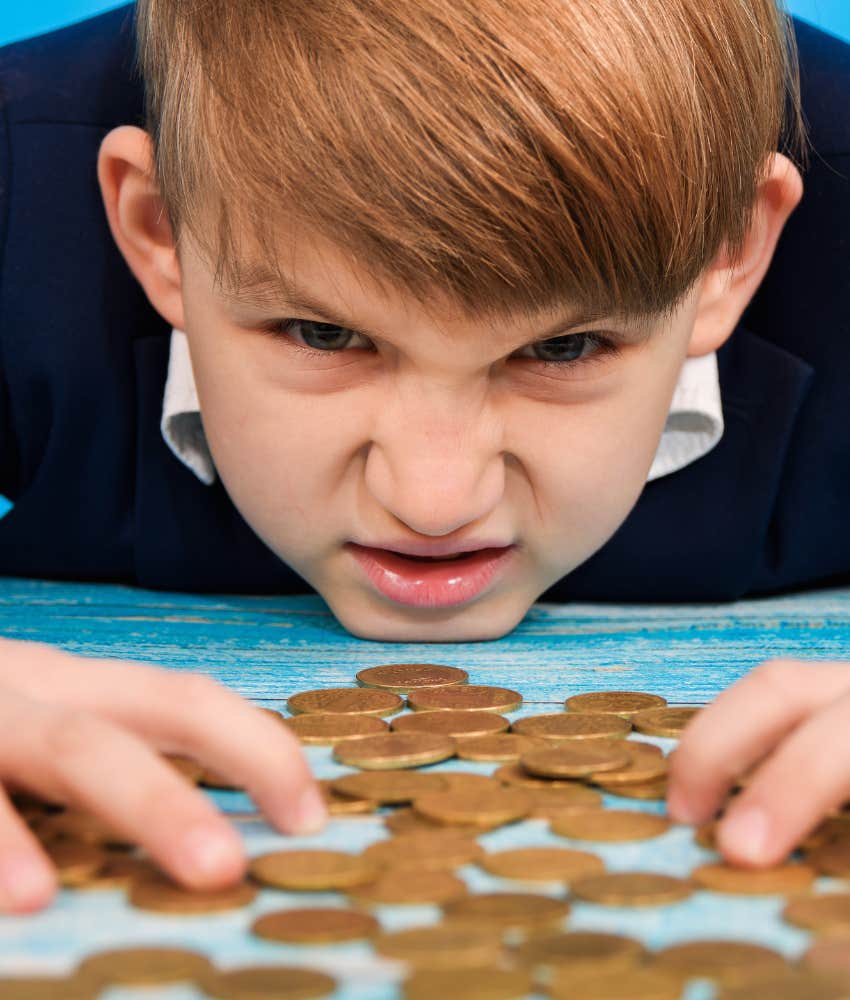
{"points": [[435, 468]]}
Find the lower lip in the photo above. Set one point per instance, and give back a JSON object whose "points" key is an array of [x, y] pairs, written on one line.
{"points": [[438, 584]]}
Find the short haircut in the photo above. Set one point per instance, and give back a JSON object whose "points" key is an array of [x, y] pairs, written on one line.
{"points": [[512, 154]]}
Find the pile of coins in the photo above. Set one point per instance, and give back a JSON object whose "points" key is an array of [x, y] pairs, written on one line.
{"points": [[488, 945]]}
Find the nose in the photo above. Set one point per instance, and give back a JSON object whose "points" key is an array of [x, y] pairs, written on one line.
{"points": [[435, 461]]}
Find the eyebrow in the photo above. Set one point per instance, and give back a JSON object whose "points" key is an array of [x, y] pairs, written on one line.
{"points": [[258, 286]]}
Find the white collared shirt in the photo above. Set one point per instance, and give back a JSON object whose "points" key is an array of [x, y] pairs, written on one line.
{"points": [[694, 422]]}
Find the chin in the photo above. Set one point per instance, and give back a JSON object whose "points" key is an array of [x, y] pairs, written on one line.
{"points": [[368, 619]]}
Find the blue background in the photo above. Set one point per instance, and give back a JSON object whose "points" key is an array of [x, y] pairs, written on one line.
{"points": [[19, 19]]}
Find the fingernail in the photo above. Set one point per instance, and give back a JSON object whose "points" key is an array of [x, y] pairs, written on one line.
{"points": [[745, 832], [24, 882], [311, 813], [208, 851]]}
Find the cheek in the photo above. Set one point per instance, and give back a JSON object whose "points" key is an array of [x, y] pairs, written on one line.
{"points": [[284, 458], [588, 464]]}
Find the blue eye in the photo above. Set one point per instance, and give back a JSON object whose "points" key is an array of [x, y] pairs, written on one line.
{"points": [[569, 347], [570, 350], [324, 336]]}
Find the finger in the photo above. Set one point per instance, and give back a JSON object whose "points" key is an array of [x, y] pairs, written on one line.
{"points": [[743, 725], [112, 773], [806, 777], [27, 877], [188, 713]]}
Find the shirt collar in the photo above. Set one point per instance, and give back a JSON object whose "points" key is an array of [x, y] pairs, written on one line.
{"points": [[694, 422]]}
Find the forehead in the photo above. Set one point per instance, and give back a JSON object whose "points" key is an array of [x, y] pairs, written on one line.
{"points": [[334, 287], [305, 275]]}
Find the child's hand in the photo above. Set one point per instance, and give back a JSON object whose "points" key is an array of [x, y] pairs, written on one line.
{"points": [[90, 732], [789, 720]]}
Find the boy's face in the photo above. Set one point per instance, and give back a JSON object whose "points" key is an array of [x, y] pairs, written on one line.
{"points": [[425, 434]]}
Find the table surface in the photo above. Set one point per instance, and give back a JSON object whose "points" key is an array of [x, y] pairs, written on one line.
{"points": [[267, 648]]}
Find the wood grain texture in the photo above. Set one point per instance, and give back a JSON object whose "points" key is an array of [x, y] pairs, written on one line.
{"points": [[267, 648]]}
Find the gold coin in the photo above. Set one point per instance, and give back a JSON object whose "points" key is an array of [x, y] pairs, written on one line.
{"points": [[326, 729], [345, 701], [213, 779], [407, 820], [576, 760], [74, 824], [510, 911], [824, 833], [577, 951], [442, 946], [143, 966], [452, 722], [781, 880], [543, 864], [647, 791], [645, 763], [627, 984], [573, 726], [792, 985], [343, 805], [728, 962], [118, 872], [190, 769], [280, 982], [310, 870], [388, 788], [622, 703], [47, 988], [832, 858], [471, 984], [496, 805], [500, 747], [704, 835], [562, 797], [631, 889], [516, 775], [831, 955], [402, 677], [434, 850], [826, 913], [410, 885], [664, 721], [466, 697], [75, 862], [609, 824], [465, 781], [314, 925], [394, 751], [158, 892]]}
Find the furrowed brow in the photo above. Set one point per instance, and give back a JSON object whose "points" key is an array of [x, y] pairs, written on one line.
{"points": [[262, 287]]}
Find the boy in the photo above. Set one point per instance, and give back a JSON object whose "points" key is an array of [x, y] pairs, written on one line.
{"points": [[448, 284]]}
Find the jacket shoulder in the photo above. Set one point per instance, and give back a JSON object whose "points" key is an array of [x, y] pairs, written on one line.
{"points": [[83, 73], [824, 86]]}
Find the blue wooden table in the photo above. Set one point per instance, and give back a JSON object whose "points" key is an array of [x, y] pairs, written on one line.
{"points": [[268, 648]]}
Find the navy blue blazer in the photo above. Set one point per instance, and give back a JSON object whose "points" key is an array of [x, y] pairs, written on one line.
{"points": [[83, 360]]}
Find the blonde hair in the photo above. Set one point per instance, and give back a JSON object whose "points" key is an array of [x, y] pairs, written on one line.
{"points": [[514, 154]]}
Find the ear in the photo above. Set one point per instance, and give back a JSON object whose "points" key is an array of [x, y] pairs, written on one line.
{"points": [[727, 291], [125, 172]]}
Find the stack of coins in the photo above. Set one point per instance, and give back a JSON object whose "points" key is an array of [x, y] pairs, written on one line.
{"points": [[554, 767]]}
